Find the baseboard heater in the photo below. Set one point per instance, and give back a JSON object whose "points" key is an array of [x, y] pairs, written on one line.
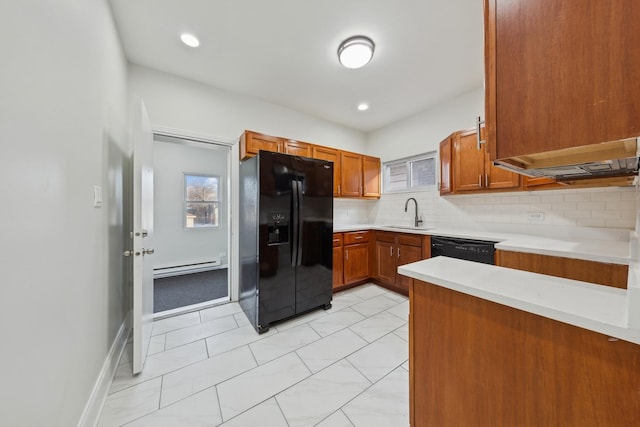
{"points": [[159, 273]]}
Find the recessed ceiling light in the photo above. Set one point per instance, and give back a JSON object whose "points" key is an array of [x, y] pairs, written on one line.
{"points": [[363, 106], [356, 52], [190, 40]]}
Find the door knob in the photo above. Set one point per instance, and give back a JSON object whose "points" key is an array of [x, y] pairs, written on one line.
{"points": [[148, 251], [129, 253]]}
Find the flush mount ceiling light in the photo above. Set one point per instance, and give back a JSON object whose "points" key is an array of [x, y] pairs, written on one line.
{"points": [[190, 40], [356, 52], [363, 106]]}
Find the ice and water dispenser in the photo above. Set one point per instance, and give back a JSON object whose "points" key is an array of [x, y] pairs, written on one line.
{"points": [[278, 228]]}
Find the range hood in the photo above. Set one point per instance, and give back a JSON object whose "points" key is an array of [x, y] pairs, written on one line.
{"points": [[615, 159]]}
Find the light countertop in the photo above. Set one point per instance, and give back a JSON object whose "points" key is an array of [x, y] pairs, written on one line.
{"points": [[607, 251], [598, 308]]}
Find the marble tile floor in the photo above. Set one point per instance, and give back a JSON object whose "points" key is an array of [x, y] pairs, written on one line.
{"points": [[344, 367]]}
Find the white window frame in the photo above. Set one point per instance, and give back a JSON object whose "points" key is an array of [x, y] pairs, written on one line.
{"points": [[185, 202], [408, 162]]}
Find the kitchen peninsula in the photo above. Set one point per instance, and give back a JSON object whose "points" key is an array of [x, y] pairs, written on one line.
{"points": [[496, 346]]}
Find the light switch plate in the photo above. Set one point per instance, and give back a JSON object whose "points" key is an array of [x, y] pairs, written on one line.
{"points": [[97, 196]]}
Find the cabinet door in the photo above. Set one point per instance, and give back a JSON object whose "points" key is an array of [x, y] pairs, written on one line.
{"points": [[560, 73], [468, 162], [338, 266], [498, 178], [370, 176], [356, 263], [258, 141], [445, 167], [385, 262], [297, 148], [252, 142], [539, 183], [351, 182], [331, 155], [407, 255]]}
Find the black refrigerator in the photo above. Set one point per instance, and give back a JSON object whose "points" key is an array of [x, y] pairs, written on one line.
{"points": [[286, 237]]}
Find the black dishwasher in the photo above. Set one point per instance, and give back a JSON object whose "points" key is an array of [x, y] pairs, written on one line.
{"points": [[471, 250]]}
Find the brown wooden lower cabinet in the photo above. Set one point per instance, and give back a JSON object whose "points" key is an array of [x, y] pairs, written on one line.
{"points": [[338, 264], [356, 263], [351, 258], [473, 362], [615, 275], [393, 250]]}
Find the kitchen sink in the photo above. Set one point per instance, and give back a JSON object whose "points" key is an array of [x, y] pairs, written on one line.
{"points": [[406, 227]]}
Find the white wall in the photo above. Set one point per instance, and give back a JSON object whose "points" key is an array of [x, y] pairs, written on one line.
{"points": [[424, 131], [190, 106], [175, 245], [63, 121]]}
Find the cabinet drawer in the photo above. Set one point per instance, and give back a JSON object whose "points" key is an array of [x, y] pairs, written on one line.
{"points": [[386, 236], [337, 239], [356, 237], [410, 240]]}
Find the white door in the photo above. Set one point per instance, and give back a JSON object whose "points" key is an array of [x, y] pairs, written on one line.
{"points": [[142, 234]]}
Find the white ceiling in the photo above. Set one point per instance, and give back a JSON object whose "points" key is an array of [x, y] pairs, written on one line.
{"points": [[285, 51]]}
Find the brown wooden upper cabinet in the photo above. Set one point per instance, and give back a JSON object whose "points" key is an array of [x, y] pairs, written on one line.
{"points": [[297, 148], [360, 175], [541, 183], [473, 169], [351, 181], [446, 173], [370, 177], [331, 155], [354, 175], [560, 74], [252, 142]]}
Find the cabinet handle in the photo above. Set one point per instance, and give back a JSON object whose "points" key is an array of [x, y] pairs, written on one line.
{"points": [[480, 180], [338, 188], [398, 253], [391, 247], [359, 237], [346, 253], [479, 122], [486, 180]]}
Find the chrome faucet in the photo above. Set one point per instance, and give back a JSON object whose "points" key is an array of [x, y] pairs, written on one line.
{"points": [[417, 220]]}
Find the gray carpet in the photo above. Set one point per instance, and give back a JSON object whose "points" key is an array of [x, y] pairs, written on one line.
{"points": [[179, 291]]}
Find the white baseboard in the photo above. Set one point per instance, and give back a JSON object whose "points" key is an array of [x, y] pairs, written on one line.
{"points": [[93, 409], [159, 273]]}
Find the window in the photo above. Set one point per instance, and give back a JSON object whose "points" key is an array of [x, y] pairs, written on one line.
{"points": [[410, 174], [201, 201]]}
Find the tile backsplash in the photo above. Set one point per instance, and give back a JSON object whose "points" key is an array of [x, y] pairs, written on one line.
{"points": [[353, 211], [613, 207]]}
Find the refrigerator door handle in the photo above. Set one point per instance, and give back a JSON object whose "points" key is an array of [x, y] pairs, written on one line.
{"points": [[294, 223], [299, 222]]}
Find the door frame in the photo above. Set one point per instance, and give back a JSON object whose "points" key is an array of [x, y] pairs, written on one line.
{"points": [[232, 200]]}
